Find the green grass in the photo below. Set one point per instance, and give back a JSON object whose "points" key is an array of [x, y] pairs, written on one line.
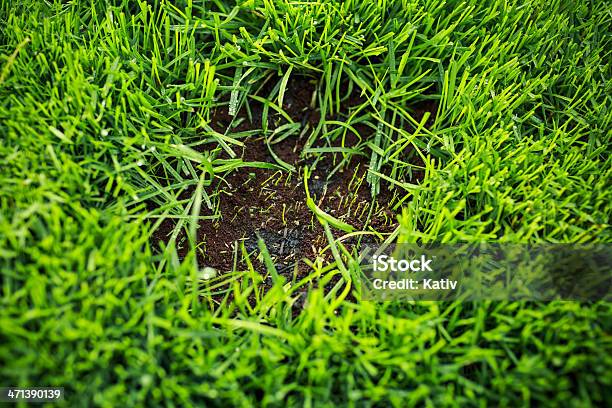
{"points": [[105, 110]]}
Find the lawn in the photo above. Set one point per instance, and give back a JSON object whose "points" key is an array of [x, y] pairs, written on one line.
{"points": [[185, 187]]}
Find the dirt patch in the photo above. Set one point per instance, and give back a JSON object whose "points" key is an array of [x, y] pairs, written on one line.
{"points": [[270, 205]]}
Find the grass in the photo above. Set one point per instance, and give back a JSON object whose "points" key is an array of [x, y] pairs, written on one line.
{"points": [[106, 116]]}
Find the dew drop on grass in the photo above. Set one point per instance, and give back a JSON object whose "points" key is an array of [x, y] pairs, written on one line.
{"points": [[146, 380], [207, 273], [233, 105]]}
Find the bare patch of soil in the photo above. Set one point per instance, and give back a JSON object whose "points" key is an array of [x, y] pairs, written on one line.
{"points": [[271, 205]]}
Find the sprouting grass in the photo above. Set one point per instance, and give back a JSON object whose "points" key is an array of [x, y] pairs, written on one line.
{"points": [[106, 118]]}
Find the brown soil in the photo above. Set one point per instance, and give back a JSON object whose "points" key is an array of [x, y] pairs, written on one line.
{"points": [[271, 205]]}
